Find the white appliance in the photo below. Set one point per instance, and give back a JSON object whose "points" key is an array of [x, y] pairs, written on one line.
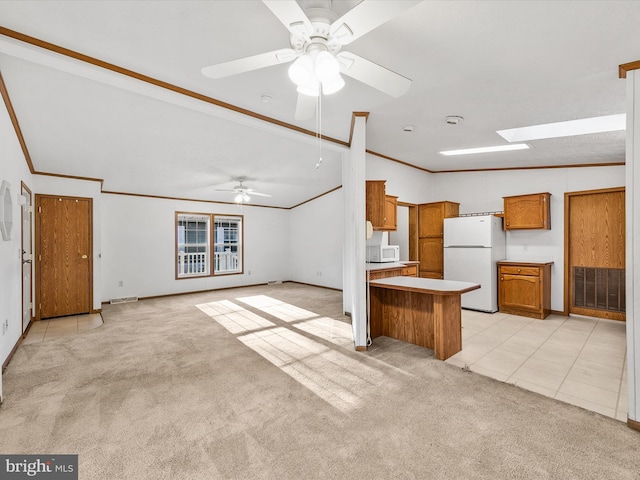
{"points": [[472, 246], [383, 253], [379, 250]]}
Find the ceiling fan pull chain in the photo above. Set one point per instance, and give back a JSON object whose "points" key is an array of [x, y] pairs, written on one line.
{"points": [[319, 128]]}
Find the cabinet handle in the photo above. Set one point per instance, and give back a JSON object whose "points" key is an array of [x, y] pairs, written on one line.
{"points": [[501, 278], [518, 270]]}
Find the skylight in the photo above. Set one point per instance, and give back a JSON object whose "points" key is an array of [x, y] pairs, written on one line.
{"points": [[607, 123]]}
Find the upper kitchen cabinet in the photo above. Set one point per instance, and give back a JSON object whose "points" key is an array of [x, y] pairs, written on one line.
{"points": [[527, 212], [390, 212], [432, 215], [381, 208]]}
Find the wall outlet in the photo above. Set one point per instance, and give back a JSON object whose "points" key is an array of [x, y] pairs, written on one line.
{"points": [[120, 283]]}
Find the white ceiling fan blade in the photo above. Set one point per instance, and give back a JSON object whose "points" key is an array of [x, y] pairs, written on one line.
{"points": [[259, 194], [366, 16], [372, 74], [305, 107], [291, 16], [246, 64]]}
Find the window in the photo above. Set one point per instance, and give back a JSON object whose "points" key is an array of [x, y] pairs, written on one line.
{"points": [[194, 232], [228, 246]]}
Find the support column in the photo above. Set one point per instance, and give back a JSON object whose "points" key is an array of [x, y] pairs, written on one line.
{"points": [[353, 183], [633, 245]]}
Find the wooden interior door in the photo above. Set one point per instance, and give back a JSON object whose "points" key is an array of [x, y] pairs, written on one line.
{"points": [[595, 257], [63, 242]]}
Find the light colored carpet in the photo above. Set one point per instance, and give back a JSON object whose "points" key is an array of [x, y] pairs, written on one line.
{"points": [[267, 385]]}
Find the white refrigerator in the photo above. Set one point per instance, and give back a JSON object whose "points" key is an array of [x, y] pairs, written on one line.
{"points": [[472, 246]]}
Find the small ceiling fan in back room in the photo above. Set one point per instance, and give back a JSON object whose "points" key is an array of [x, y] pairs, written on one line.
{"points": [[316, 41], [242, 192]]}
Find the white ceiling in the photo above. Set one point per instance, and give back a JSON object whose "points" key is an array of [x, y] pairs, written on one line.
{"points": [[498, 64]]}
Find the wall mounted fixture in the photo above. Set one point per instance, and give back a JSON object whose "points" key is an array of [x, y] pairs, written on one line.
{"points": [[6, 210]]}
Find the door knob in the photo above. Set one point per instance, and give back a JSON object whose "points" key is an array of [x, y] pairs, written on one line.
{"points": [[84, 256]]}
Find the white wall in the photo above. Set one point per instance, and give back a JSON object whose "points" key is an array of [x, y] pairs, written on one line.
{"points": [[48, 185], [407, 183], [316, 233], [633, 245], [483, 192], [138, 246], [13, 169]]}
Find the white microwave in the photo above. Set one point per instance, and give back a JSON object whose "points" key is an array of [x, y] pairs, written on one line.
{"points": [[383, 253]]}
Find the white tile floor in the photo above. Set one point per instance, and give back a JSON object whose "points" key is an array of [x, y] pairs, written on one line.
{"points": [[577, 360], [60, 327]]}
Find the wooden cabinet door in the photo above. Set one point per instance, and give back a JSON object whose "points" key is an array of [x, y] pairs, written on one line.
{"points": [[431, 257], [63, 242], [390, 213], [527, 212], [520, 291], [375, 200], [431, 220]]}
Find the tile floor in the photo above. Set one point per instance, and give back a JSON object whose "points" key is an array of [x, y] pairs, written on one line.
{"points": [[60, 327], [578, 360]]}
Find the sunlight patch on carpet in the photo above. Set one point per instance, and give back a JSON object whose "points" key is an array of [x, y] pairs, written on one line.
{"points": [[304, 347]]}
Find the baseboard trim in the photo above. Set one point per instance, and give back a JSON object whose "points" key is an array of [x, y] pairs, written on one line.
{"points": [[10, 356], [633, 424], [166, 295]]}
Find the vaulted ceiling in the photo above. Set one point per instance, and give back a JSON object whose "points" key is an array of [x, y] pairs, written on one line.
{"points": [[140, 115]]}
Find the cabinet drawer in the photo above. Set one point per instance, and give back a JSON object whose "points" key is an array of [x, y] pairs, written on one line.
{"points": [[506, 270], [410, 271]]}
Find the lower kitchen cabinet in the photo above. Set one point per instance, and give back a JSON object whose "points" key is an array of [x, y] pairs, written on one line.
{"points": [[524, 288]]}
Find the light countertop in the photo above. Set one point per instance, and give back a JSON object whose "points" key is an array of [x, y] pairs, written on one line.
{"points": [[425, 285]]}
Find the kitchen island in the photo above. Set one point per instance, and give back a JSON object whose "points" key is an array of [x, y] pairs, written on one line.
{"points": [[422, 311]]}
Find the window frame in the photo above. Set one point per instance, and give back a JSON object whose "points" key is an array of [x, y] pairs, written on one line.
{"points": [[210, 245]]}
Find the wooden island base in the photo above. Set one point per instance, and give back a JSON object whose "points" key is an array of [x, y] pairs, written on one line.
{"points": [[422, 311]]}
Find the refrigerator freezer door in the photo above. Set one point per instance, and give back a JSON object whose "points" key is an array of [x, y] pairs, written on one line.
{"points": [[473, 265], [468, 231]]}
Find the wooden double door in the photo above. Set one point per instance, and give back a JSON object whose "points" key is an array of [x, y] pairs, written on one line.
{"points": [[63, 256]]}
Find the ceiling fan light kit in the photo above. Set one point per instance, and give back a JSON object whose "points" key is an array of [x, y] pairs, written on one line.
{"points": [[313, 69], [242, 197]]}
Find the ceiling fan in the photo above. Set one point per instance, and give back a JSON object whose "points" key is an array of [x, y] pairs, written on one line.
{"points": [[316, 41], [242, 193]]}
